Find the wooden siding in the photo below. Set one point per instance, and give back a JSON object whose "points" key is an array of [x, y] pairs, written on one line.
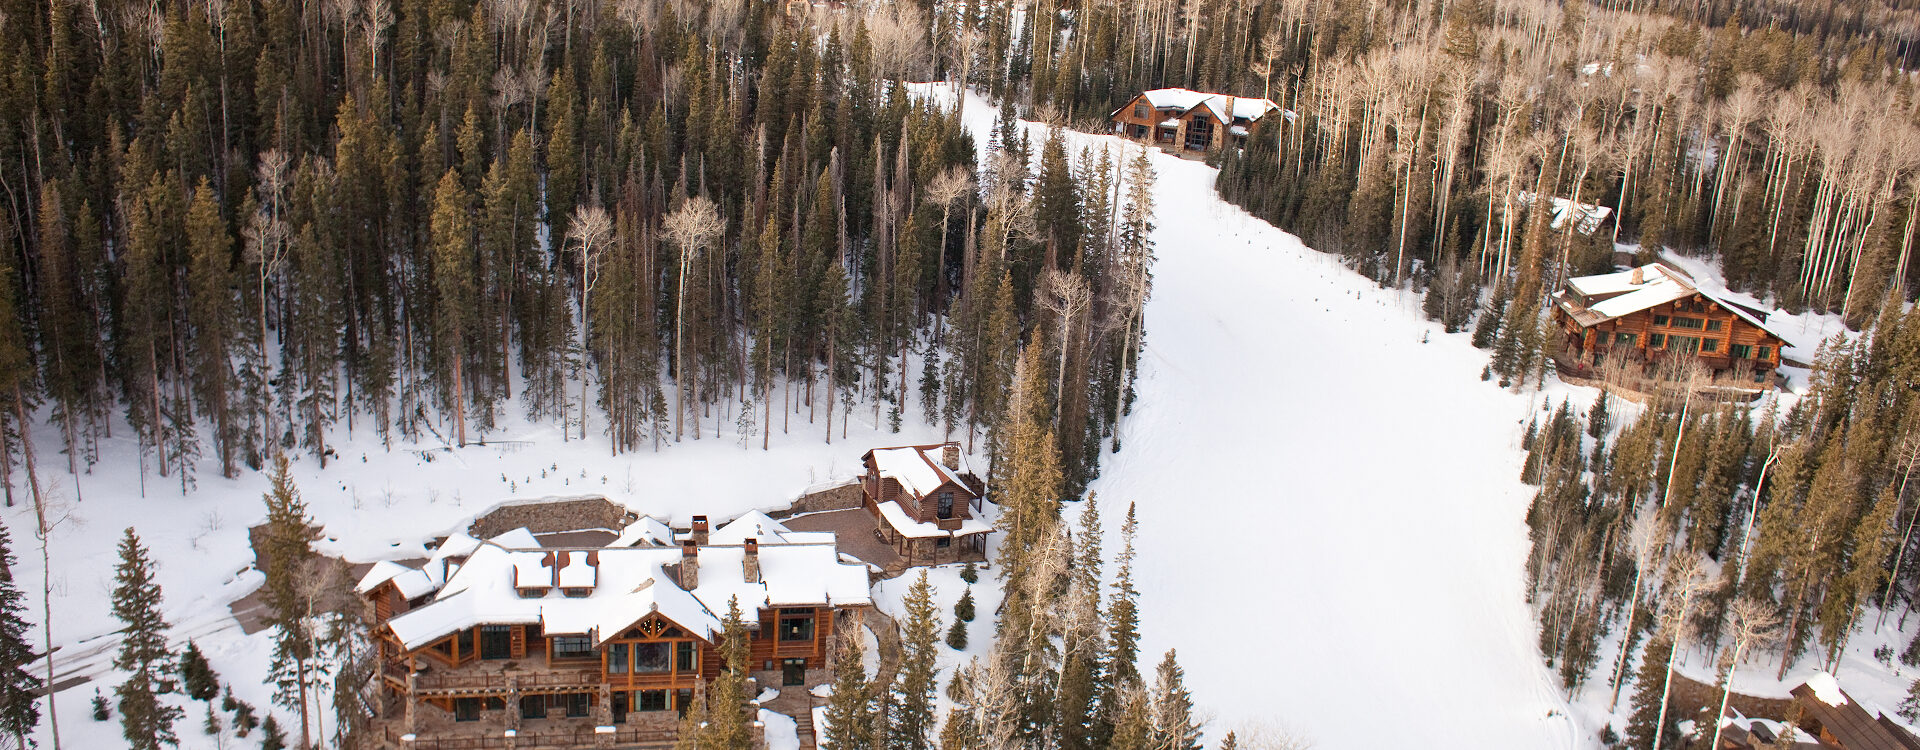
{"points": [[1718, 325]]}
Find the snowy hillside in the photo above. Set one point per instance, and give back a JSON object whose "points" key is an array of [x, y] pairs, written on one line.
{"points": [[1331, 522]]}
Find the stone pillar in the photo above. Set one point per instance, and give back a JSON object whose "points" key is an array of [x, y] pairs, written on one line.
{"points": [[513, 703], [410, 719], [604, 729]]}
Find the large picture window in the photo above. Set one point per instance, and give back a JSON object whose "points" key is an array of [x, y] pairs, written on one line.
{"points": [[684, 654], [946, 504], [796, 624], [650, 658]]}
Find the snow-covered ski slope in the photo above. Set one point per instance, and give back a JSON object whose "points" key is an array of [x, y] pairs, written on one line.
{"points": [[1332, 528]]}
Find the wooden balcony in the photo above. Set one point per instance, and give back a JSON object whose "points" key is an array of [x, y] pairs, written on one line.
{"points": [[530, 677], [482, 737]]}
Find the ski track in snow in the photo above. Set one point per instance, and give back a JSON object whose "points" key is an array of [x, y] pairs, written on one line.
{"points": [[1332, 530]]}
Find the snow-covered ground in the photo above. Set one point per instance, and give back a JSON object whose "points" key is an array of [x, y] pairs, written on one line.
{"points": [[1331, 522]]}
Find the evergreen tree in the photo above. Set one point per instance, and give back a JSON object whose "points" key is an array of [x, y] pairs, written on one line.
{"points": [[145, 721], [1174, 727], [19, 690], [848, 719], [957, 635], [272, 737], [286, 554], [912, 724], [197, 676], [963, 609], [729, 725], [1649, 684]]}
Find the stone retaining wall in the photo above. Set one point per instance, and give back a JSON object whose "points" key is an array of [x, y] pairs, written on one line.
{"points": [[548, 516], [843, 497]]}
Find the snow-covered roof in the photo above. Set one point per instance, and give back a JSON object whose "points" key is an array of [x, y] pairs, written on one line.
{"points": [[919, 468], [1587, 216], [1612, 295], [757, 525], [1186, 99], [628, 583], [412, 583], [647, 530], [901, 522]]}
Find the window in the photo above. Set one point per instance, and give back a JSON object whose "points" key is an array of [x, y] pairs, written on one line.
{"points": [[1693, 323], [1709, 345], [1713, 325], [682, 700], [796, 624], [1199, 134], [1739, 351], [650, 658], [946, 504], [1140, 109], [1763, 352], [1625, 339], [533, 707], [617, 658], [793, 672], [943, 542], [466, 709], [466, 643], [684, 653], [572, 647], [576, 704], [653, 700], [496, 641], [1656, 340], [1683, 344], [576, 593], [1659, 320]]}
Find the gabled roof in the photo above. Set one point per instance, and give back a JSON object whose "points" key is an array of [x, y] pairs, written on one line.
{"points": [[1183, 100], [919, 468], [628, 583], [1849, 722], [1614, 295]]}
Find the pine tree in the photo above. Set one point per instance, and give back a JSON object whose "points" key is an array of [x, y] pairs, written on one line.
{"points": [[287, 551], [963, 609], [848, 718], [957, 635], [913, 720], [145, 721], [1133, 722], [101, 708], [18, 689], [453, 281], [1123, 618], [197, 676], [1649, 683], [729, 725], [1174, 727], [272, 737], [212, 310], [211, 724]]}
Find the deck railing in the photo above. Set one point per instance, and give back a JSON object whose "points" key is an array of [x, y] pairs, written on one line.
{"points": [[497, 682]]}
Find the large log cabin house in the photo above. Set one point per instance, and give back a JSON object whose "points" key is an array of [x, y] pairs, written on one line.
{"points": [[582, 647], [1189, 121], [1655, 311]]}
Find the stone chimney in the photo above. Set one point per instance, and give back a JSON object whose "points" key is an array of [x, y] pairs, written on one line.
{"points": [[750, 564], [950, 456], [689, 565], [1639, 275], [700, 530]]}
